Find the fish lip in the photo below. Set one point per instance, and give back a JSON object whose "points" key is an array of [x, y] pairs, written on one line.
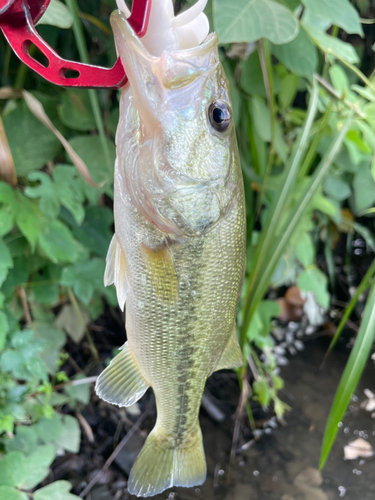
{"points": [[210, 41]]}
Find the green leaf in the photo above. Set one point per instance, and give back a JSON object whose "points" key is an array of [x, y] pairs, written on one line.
{"points": [[54, 339], [90, 150], [352, 373], [58, 244], [313, 280], [96, 231], [11, 468], [25, 440], [80, 392], [336, 188], [36, 467], [262, 391], [84, 278], [69, 320], [59, 490], [339, 78], [288, 91], [75, 110], [31, 143], [8, 493], [305, 250], [261, 118], [70, 437], [4, 329], [29, 219], [364, 189], [339, 12], [6, 261], [62, 190], [250, 20], [332, 45], [299, 56], [49, 203], [57, 14]]}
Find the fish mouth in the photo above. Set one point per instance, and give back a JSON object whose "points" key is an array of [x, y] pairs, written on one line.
{"points": [[166, 31]]}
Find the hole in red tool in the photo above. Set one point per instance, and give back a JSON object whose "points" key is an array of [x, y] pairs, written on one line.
{"points": [[69, 73], [35, 53]]}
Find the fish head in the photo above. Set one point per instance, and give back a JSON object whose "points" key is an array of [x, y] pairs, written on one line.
{"points": [[186, 134]]}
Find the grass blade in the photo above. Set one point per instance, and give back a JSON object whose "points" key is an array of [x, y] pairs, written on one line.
{"points": [[365, 283], [352, 373]]}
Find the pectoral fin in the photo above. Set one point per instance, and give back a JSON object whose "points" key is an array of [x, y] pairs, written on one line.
{"points": [[162, 271], [232, 355], [116, 271], [122, 382]]}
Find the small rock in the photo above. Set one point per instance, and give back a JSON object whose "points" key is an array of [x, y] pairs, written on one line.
{"points": [[358, 448]]}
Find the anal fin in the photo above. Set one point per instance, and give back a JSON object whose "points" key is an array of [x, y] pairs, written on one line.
{"points": [[116, 271], [232, 355], [121, 383]]}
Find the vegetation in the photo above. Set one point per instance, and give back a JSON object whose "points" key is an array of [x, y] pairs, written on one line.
{"points": [[303, 89]]}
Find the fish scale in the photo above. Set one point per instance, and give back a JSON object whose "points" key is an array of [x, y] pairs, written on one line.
{"points": [[178, 254]]}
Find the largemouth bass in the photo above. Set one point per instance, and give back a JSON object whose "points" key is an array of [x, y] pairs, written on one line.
{"points": [[178, 253]]}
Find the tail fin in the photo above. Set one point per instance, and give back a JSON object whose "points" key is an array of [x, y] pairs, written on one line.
{"points": [[160, 466]]}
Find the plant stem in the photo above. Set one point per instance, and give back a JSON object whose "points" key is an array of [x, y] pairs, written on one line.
{"points": [[84, 55], [266, 64], [77, 309]]}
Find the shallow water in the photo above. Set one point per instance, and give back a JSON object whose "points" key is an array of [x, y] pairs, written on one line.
{"points": [[282, 464]]}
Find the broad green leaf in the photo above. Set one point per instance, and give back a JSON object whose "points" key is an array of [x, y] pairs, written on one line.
{"points": [[338, 12], [36, 467], [31, 143], [288, 91], [336, 188], [75, 110], [299, 56], [6, 261], [57, 14], [80, 392], [84, 278], [313, 280], [59, 490], [95, 233], [70, 437], [252, 81], [29, 219], [69, 320], [9, 493], [49, 203], [4, 329], [90, 150], [63, 189], [364, 189], [352, 373], [11, 468], [339, 78], [25, 440], [57, 243], [250, 20], [332, 45], [305, 250], [261, 118], [54, 339]]}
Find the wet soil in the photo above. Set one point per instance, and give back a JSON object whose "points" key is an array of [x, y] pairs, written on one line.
{"points": [[280, 465]]}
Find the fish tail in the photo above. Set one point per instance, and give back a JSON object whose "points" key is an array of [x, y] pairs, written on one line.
{"points": [[160, 465]]}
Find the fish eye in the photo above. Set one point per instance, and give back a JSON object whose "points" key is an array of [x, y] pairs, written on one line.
{"points": [[219, 115]]}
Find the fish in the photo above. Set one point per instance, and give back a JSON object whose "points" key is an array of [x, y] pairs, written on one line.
{"points": [[177, 257]]}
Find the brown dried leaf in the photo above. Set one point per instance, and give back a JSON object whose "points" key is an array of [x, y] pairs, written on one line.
{"points": [[7, 168], [38, 111]]}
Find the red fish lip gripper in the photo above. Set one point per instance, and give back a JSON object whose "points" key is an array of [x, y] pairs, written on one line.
{"points": [[17, 22]]}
